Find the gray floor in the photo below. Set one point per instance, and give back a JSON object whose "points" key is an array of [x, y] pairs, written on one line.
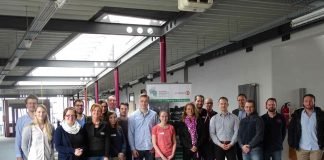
{"points": [[7, 148]]}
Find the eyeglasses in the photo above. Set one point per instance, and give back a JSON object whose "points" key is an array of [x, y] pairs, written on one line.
{"points": [[79, 105], [70, 116], [209, 103]]}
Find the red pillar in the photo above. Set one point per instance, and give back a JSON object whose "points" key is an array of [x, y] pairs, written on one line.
{"points": [[116, 78], [85, 101], [96, 91], [163, 73]]}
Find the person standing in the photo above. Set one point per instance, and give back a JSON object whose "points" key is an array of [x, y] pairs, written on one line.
{"points": [[31, 103], [112, 106], [79, 107], [274, 131], [306, 130], [37, 137], [223, 131], [104, 106], [240, 113], [69, 138], [191, 132], [250, 134], [140, 125], [117, 138], [208, 149], [98, 135], [164, 138], [123, 122]]}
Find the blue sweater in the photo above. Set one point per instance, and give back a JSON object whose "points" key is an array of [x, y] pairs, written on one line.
{"points": [[64, 146]]}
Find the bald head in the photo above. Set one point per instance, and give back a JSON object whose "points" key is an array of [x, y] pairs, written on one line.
{"points": [[209, 104]]}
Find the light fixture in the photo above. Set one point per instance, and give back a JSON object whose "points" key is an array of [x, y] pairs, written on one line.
{"points": [[310, 17], [140, 30], [95, 64], [129, 29], [102, 64], [176, 66], [81, 79], [149, 30]]}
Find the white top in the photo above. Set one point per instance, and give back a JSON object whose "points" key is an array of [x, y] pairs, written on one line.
{"points": [[116, 111], [40, 147]]}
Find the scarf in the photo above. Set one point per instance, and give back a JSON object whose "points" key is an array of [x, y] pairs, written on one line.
{"points": [[191, 123], [71, 129]]}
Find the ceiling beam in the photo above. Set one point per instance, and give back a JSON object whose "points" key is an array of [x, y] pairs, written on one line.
{"points": [[38, 87], [77, 26], [61, 63], [44, 78]]}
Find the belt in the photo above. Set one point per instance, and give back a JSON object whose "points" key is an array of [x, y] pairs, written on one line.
{"points": [[225, 142]]}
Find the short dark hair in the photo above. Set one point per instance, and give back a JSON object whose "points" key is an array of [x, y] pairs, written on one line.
{"points": [[271, 99], [144, 95], [77, 100], [251, 101], [309, 95], [124, 103], [243, 95], [143, 91], [31, 96], [201, 96], [224, 98]]}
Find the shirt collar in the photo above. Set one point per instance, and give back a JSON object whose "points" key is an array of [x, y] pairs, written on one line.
{"points": [[224, 113]]}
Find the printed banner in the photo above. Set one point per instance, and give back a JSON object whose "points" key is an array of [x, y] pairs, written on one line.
{"points": [[169, 92]]}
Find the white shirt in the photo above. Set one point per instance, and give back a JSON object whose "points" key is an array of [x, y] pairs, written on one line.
{"points": [[116, 111]]}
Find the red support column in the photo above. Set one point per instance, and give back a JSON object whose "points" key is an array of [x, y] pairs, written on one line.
{"points": [[85, 101], [96, 91], [163, 73], [116, 78]]}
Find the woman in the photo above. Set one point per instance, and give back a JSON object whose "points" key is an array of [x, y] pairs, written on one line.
{"points": [[98, 137], [191, 132], [164, 138], [69, 138], [37, 138], [117, 138]]}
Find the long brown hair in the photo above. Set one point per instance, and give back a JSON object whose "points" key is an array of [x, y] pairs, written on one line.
{"points": [[108, 115], [184, 114], [47, 125]]}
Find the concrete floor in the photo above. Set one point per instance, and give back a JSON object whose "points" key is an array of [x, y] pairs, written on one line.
{"points": [[7, 148]]}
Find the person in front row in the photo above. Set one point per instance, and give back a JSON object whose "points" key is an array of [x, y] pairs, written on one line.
{"points": [[164, 138], [69, 138], [190, 131], [140, 125], [306, 130], [37, 137], [274, 131], [223, 131], [250, 134], [98, 135], [117, 138]]}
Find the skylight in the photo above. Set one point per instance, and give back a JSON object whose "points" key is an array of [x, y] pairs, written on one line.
{"points": [[39, 83], [113, 18], [66, 72], [97, 47]]}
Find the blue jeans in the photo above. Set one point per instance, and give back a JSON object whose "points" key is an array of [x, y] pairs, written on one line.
{"points": [[254, 154], [96, 158], [144, 154], [276, 155]]}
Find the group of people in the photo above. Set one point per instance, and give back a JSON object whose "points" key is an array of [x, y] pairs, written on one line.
{"points": [[109, 133]]}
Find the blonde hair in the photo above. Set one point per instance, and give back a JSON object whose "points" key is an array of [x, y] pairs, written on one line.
{"points": [[47, 125], [96, 105], [184, 114]]}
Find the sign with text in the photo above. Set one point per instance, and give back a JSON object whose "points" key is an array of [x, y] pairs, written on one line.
{"points": [[169, 92]]}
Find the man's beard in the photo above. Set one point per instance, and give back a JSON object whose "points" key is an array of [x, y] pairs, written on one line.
{"points": [[272, 110]]}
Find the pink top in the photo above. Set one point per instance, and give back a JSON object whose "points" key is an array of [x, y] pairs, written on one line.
{"points": [[164, 139]]}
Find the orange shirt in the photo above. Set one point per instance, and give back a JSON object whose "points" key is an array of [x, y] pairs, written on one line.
{"points": [[164, 139]]}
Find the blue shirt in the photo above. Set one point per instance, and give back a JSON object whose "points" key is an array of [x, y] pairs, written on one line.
{"points": [[308, 140], [140, 130], [82, 121], [21, 123]]}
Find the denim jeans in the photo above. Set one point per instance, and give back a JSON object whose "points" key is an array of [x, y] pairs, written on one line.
{"points": [[276, 155], [96, 158], [254, 154], [144, 154]]}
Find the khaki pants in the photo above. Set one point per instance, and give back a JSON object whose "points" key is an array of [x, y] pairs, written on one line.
{"points": [[309, 155]]}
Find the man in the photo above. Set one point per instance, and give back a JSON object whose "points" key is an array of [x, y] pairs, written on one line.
{"points": [[31, 103], [199, 103], [208, 149], [306, 130], [250, 134], [223, 131], [104, 106], [112, 105], [140, 125], [274, 131], [123, 121], [79, 107], [240, 113]]}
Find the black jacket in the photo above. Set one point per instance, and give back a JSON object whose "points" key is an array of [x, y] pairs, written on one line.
{"points": [[184, 135], [251, 131], [98, 139], [294, 128]]}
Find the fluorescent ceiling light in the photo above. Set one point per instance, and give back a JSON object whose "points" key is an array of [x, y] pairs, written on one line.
{"points": [[113, 18], [97, 47], [68, 72], [40, 83], [176, 66], [315, 15]]}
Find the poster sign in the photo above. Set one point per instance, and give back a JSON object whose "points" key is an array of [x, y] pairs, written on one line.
{"points": [[169, 92]]}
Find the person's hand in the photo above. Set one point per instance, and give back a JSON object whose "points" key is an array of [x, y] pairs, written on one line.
{"points": [[121, 156], [170, 157], [19, 158], [227, 146], [246, 149], [135, 153], [106, 158], [78, 152], [194, 149], [222, 146]]}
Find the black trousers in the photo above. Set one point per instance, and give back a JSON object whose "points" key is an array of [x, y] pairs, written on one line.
{"points": [[189, 155], [238, 152], [230, 154], [207, 151]]}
